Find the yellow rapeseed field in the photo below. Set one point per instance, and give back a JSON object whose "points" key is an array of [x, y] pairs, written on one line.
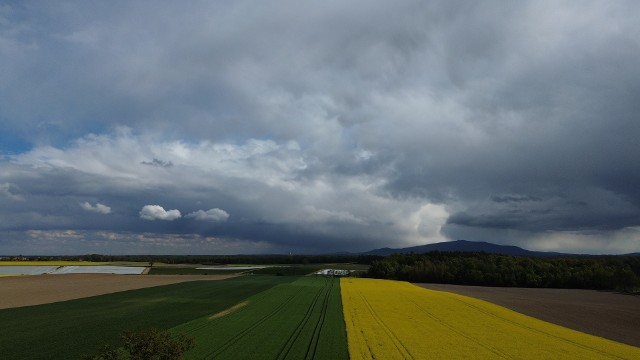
{"points": [[396, 320]]}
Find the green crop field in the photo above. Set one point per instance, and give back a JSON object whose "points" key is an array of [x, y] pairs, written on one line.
{"points": [[290, 270], [189, 271], [298, 320], [65, 330]]}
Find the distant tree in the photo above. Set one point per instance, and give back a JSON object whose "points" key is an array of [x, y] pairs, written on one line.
{"points": [[151, 344], [107, 352]]}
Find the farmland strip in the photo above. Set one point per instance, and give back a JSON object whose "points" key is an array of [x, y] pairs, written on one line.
{"points": [[303, 322], [299, 320], [545, 333], [433, 324], [77, 327], [248, 330], [394, 338], [315, 340], [459, 332]]}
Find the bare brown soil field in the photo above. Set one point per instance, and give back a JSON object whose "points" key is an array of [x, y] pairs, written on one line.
{"points": [[16, 291], [606, 314]]}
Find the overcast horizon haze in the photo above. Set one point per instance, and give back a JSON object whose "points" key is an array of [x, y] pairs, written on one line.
{"points": [[251, 127]]}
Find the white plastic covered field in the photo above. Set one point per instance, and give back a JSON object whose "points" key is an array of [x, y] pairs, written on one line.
{"points": [[26, 270], [84, 269], [99, 269]]}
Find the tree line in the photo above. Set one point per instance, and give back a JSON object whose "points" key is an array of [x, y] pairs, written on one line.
{"points": [[597, 272]]}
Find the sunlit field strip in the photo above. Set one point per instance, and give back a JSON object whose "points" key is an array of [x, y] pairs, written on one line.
{"points": [[50, 263], [396, 320]]}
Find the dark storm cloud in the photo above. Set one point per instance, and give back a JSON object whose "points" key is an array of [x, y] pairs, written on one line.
{"points": [[157, 162], [352, 124], [604, 212], [551, 117]]}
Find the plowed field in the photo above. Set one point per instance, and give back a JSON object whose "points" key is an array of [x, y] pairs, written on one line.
{"points": [[16, 291]]}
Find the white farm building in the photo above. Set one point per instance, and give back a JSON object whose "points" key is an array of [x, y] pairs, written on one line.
{"points": [[333, 272]]}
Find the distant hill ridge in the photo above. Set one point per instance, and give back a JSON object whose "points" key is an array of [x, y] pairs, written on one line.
{"points": [[466, 246]]}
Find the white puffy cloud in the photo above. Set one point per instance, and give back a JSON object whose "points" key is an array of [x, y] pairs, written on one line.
{"points": [[214, 214], [99, 208], [157, 212]]}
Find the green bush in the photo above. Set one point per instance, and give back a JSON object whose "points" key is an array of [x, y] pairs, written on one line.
{"points": [[151, 344]]}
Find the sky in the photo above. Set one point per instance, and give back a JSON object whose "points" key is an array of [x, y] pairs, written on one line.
{"points": [[254, 127]]}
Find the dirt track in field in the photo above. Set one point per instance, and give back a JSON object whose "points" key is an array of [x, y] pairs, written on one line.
{"points": [[609, 315], [16, 291]]}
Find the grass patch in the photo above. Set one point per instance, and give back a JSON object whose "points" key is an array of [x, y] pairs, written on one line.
{"points": [[280, 270], [357, 267], [189, 271], [65, 330], [290, 270], [128, 263]]}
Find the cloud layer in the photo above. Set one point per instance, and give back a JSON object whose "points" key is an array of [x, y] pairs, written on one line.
{"points": [[342, 126]]}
